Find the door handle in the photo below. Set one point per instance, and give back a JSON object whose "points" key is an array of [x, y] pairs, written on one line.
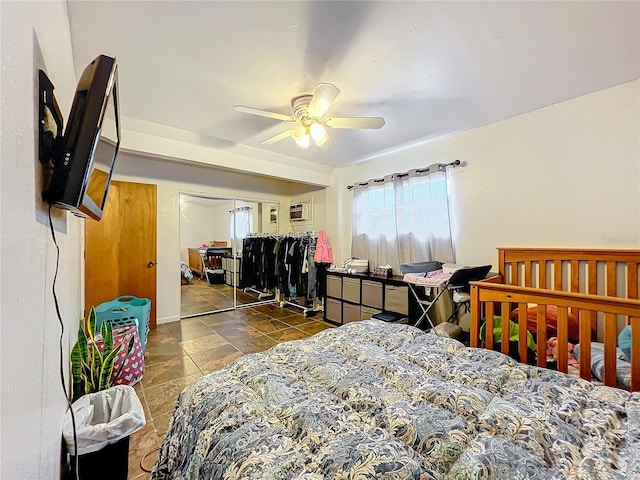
{"points": [[151, 264]]}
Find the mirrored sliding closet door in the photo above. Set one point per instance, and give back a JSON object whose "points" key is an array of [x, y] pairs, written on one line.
{"points": [[222, 248]]}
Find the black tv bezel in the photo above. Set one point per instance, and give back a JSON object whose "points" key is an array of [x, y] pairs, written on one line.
{"points": [[74, 162]]}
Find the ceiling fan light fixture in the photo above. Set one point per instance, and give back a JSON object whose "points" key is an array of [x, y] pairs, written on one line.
{"points": [[318, 133], [304, 141], [309, 118], [298, 132]]}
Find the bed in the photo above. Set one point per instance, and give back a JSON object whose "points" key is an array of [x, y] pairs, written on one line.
{"points": [[388, 401], [573, 295]]}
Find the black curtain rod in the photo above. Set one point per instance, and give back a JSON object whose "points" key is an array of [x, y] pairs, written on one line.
{"points": [[455, 163]]}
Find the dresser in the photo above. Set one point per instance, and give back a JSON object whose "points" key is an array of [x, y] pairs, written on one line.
{"points": [[354, 297]]}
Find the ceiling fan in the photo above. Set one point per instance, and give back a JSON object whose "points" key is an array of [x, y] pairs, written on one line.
{"points": [[308, 117]]}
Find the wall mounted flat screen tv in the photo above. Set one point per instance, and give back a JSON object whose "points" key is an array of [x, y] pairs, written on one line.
{"points": [[83, 164]]}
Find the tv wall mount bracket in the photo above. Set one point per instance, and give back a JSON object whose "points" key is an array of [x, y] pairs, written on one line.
{"points": [[49, 121]]}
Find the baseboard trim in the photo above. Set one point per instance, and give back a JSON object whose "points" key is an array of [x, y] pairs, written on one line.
{"points": [[173, 318]]}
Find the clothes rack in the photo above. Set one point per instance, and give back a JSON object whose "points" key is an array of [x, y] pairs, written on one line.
{"points": [[297, 272], [261, 295], [282, 266]]}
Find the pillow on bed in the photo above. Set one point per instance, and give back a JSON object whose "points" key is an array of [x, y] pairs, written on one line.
{"points": [[624, 342], [552, 322]]}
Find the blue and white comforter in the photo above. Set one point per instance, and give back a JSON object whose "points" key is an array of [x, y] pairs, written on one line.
{"points": [[388, 401]]}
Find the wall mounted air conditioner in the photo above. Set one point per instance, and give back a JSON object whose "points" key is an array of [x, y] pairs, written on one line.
{"points": [[300, 212]]}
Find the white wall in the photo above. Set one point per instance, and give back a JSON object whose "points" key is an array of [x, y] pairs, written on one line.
{"points": [[202, 223], [174, 178], [220, 217], [317, 198], [33, 35], [567, 175]]}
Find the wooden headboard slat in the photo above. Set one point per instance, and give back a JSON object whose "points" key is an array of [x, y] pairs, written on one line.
{"points": [[514, 273], [557, 275], [527, 274], [542, 274], [612, 283], [632, 280], [575, 276], [592, 270]]}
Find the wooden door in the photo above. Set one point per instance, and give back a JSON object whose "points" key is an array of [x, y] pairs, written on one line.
{"points": [[120, 249]]}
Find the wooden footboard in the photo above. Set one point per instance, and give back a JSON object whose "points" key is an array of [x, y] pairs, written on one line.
{"points": [[600, 288]]}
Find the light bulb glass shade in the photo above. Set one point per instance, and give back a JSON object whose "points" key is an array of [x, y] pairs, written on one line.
{"points": [[298, 132], [303, 141], [318, 133]]}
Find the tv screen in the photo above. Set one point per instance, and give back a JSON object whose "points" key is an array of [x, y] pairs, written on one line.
{"points": [[82, 168]]}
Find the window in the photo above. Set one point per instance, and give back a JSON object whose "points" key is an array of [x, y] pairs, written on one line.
{"points": [[403, 218], [240, 226]]}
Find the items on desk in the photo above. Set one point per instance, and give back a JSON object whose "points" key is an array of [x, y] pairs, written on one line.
{"points": [[433, 278], [384, 271], [357, 265], [451, 267]]}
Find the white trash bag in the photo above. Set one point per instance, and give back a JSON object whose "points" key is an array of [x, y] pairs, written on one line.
{"points": [[103, 418]]}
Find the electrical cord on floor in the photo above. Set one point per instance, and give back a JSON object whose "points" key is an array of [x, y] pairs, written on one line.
{"points": [[64, 387], [144, 457]]}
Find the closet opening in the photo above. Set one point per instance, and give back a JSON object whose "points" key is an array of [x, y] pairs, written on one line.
{"points": [[213, 230]]}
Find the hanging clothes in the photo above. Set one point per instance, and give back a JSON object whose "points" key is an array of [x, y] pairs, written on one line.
{"points": [[323, 258], [286, 262], [323, 252]]}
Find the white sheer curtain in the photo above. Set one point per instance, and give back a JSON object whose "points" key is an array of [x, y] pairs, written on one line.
{"points": [[403, 218], [240, 225]]}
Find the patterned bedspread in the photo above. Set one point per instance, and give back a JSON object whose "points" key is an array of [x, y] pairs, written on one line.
{"points": [[378, 400]]}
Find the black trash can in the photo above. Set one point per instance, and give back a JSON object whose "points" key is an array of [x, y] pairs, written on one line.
{"points": [[104, 421], [108, 463]]}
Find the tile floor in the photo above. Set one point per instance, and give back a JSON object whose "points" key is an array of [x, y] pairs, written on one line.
{"points": [[201, 296], [180, 352]]}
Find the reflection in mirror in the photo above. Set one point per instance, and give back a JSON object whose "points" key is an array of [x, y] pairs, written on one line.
{"points": [[213, 233], [250, 225]]}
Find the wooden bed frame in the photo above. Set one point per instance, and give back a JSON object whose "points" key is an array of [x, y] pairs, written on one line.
{"points": [[600, 287]]}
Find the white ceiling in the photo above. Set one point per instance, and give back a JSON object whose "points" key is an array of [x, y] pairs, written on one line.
{"points": [[429, 68]]}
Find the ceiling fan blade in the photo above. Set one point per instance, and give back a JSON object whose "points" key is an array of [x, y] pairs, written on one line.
{"points": [[327, 144], [322, 99], [277, 137], [355, 122], [264, 113]]}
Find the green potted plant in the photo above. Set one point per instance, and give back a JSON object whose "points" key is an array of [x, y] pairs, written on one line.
{"points": [[92, 360], [102, 438]]}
